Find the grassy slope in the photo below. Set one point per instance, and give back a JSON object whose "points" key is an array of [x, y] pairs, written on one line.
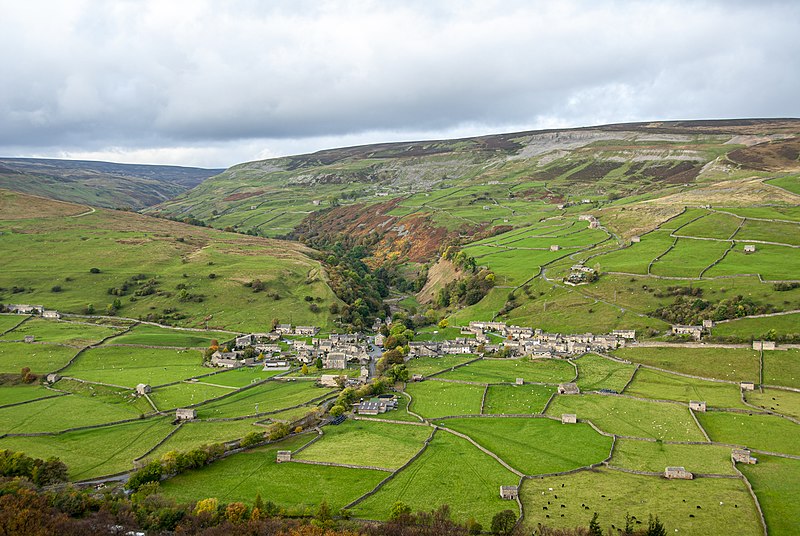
{"points": [[57, 249]]}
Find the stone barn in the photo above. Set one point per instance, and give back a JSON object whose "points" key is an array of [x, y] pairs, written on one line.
{"points": [[747, 386], [183, 414], [636, 239], [569, 418], [763, 345], [555, 247], [742, 456], [750, 248], [509, 493], [695, 405], [53, 377], [520, 381], [677, 473], [142, 389], [568, 389], [284, 456], [29, 338]]}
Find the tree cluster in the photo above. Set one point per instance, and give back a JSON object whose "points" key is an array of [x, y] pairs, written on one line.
{"points": [[693, 310], [40, 472]]}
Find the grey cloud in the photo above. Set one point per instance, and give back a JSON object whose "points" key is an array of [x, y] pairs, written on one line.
{"points": [[146, 76]]}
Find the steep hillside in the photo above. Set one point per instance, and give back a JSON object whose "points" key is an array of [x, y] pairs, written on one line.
{"points": [[102, 184], [67, 257], [418, 194]]}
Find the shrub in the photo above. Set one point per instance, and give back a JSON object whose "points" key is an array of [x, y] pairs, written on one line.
{"points": [[56, 288], [94, 270]]}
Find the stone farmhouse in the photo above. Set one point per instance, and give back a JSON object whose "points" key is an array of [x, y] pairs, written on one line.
{"points": [[183, 414], [509, 493], [694, 331], [679, 473], [694, 405], [568, 389], [23, 309], [742, 456]]}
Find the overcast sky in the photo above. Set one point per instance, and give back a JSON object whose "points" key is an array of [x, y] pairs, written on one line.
{"points": [[214, 83]]}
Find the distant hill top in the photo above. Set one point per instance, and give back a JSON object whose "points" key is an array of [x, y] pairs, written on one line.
{"points": [[103, 184]]}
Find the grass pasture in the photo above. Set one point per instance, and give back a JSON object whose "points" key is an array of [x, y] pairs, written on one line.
{"points": [[774, 263], [655, 384], [655, 456], [629, 417], [60, 413], [712, 225], [777, 400], [127, 366], [10, 321], [157, 336], [96, 452], [702, 506], [517, 399], [271, 396], [508, 370], [185, 394], [12, 394], [735, 364], [770, 231], [40, 358], [198, 433], [763, 432], [757, 327], [367, 443], [239, 377], [636, 258], [59, 332], [782, 367], [536, 445], [596, 372], [242, 476], [689, 258], [433, 399], [431, 365], [469, 486], [776, 482]]}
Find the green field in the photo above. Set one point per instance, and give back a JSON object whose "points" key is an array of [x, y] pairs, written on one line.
{"points": [[367, 443], [156, 336], [777, 400], [40, 358], [636, 258], [11, 394], [775, 481], [656, 456], [470, 487], [725, 506], [735, 364], [516, 399], [293, 486], [433, 399], [774, 263], [597, 372], [59, 332], [239, 377], [60, 413], [712, 225], [197, 433], [781, 367], [629, 417], [763, 432], [770, 231], [56, 250], [184, 394], [129, 366], [689, 258], [536, 445], [9, 321], [664, 386], [270, 396], [790, 183], [96, 452], [431, 365], [508, 370], [758, 327]]}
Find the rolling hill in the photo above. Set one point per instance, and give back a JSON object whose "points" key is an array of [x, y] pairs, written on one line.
{"points": [[67, 257], [101, 184]]}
